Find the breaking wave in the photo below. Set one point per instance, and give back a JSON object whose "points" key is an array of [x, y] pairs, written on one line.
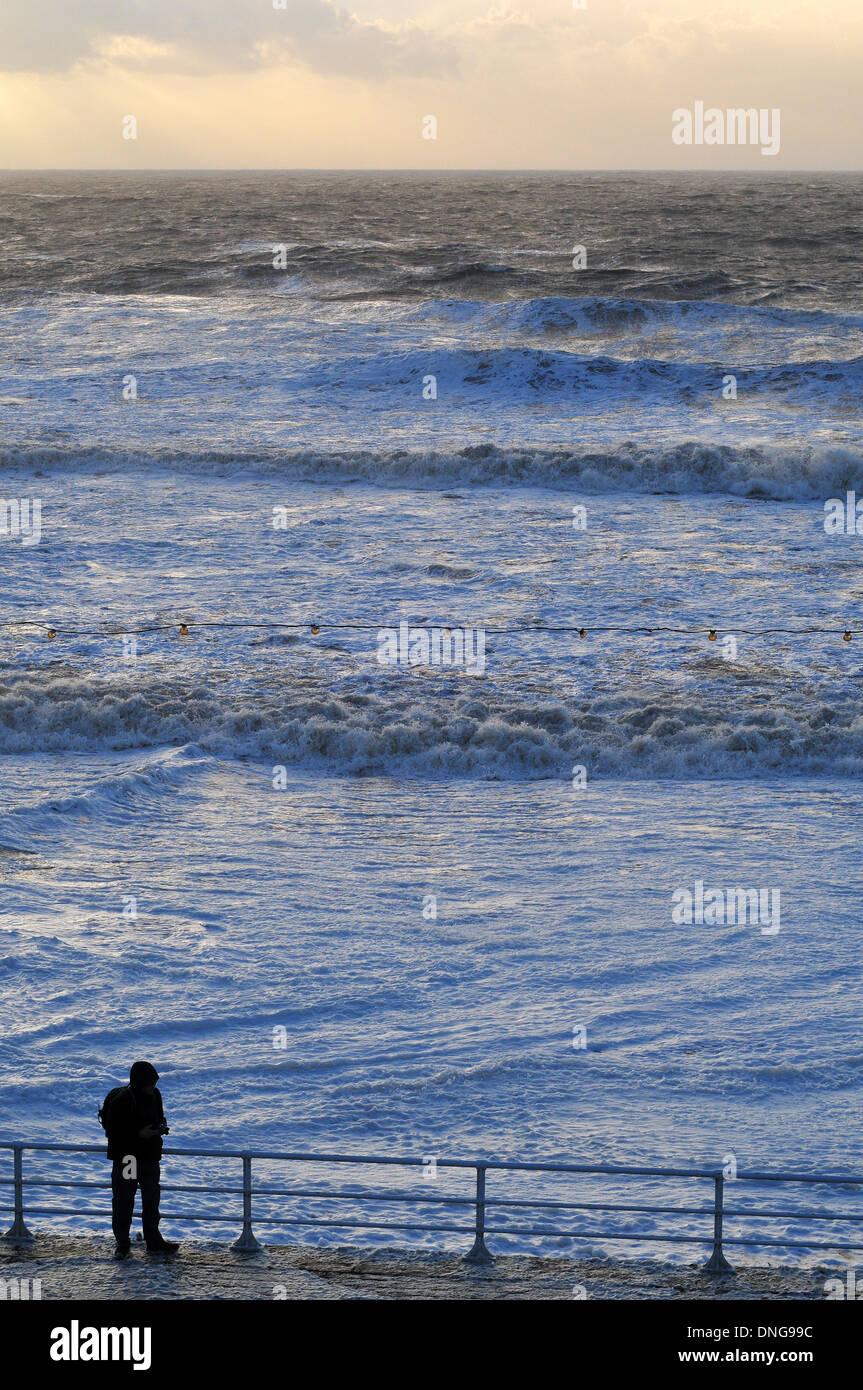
{"points": [[398, 729], [560, 314], [767, 472], [528, 372], [109, 799]]}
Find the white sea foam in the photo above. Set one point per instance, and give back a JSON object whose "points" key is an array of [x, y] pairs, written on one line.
{"points": [[426, 730]]}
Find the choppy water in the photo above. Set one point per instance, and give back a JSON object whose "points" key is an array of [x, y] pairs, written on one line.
{"points": [[302, 389]]}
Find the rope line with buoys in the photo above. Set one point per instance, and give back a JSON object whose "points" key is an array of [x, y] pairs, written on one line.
{"points": [[184, 629]]}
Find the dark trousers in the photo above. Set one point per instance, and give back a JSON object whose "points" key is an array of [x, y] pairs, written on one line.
{"points": [[123, 1200]]}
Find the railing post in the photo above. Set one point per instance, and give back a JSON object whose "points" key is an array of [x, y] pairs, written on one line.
{"points": [[18, 1233], [717, 1264], [246, 1243], [479, 1254]]}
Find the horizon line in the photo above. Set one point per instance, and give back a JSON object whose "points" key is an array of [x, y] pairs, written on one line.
{"points": [[407, 169]]}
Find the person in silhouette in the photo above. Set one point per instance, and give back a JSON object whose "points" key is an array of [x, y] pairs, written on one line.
{"points": [[134, 1121]]}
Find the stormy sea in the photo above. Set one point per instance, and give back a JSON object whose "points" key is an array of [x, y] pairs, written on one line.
{"points": [[251, 422]]}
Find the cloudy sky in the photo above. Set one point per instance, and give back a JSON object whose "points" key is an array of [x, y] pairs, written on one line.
{"points": [[538, 84]]}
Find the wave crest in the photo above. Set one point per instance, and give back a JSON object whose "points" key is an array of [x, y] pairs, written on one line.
{"points": [[483, 732], [773, 473]]}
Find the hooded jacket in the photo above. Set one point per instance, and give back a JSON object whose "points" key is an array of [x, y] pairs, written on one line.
{"points": [[133, 1111]]}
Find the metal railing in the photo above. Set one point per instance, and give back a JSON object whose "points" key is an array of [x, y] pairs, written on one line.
{"points": [[484, 1208]]}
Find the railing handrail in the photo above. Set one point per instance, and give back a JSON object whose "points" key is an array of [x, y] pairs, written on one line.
{"points": [[483, 1206], [501, 1165]]}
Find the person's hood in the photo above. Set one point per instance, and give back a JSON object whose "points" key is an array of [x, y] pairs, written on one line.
{"points": [[142, 1074]]}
